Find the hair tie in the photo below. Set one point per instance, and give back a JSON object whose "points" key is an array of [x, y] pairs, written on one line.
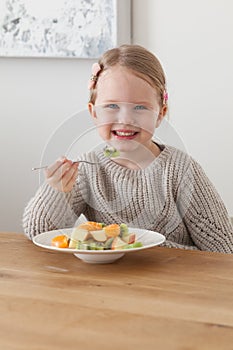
{"points": [[165, 97], [94, 70]]}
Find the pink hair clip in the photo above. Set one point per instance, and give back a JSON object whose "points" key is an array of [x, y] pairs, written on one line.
{"points": [[165, 97], [95, 70]]}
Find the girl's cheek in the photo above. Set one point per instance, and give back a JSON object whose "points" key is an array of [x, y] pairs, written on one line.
{"points": [[148, 126], [104, 132]]}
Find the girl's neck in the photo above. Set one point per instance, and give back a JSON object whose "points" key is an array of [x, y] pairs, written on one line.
{"points": [[138, 159]]}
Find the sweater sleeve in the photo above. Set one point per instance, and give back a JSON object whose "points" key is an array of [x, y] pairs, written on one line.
{"points": [[203, 212], [50, 210]]}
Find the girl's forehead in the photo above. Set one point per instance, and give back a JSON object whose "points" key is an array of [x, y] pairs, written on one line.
{"points": [[119, 74], [121, 84]]}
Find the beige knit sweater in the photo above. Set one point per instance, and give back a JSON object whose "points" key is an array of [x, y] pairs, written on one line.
{"points": [[172, 196]]}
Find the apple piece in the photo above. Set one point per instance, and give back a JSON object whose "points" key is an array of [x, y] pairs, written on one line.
{"points": [[78, 234], [118, 243], [130, 238], [99, 235]]}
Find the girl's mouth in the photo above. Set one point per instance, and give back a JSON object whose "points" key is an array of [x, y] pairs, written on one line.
{"points": [[125, 134]]}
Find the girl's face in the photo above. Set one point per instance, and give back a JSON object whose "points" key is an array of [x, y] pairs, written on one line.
{"points": [[126, 110]]}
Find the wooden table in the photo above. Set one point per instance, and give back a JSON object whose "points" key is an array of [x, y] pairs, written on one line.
{"points": [[158, 298]]}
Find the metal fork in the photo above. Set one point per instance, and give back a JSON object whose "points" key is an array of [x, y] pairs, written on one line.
{"points": [[77, 161]]}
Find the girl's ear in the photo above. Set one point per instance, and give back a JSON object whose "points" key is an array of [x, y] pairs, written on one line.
{"points": [[161, 115], [91, 110]]}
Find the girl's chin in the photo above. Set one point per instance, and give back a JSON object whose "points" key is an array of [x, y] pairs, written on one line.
{"points": [[125, 146]]}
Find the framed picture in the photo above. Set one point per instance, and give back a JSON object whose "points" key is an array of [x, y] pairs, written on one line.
{"points": [[63, 28]]}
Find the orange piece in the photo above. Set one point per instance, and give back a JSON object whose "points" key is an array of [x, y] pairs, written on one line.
{"points": [[91, 226], [112, 230], [61, 241]]}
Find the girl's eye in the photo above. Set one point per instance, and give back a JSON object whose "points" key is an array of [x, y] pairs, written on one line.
{"points": [[111, 106], [140, 107]]}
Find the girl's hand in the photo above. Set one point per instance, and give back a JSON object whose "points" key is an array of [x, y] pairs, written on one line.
{"points": [[62, 174]]}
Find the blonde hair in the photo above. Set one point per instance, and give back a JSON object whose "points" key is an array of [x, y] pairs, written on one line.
{"points": [[137, 59]]}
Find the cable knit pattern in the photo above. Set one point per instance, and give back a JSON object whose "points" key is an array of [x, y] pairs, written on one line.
{"points": [[172, 196]]}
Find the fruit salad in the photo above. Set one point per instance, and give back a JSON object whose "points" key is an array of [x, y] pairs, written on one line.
{"points": [[97, 236]]}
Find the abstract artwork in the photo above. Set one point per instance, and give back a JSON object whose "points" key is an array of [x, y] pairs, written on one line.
{"points": [[60, 28]]}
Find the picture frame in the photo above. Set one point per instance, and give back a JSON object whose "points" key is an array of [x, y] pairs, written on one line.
{"points": [[63, 28]]}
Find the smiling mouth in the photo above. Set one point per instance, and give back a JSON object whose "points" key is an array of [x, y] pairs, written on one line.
{"points": [[124, 133]]}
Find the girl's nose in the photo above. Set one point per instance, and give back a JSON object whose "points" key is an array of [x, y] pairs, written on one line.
{"points": [[126, 116]]}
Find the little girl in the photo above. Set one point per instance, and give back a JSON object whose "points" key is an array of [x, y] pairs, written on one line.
{"points": [[149, 185]]}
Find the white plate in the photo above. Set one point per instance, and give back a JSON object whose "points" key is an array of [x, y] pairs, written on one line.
{"points": [[148, 238]]}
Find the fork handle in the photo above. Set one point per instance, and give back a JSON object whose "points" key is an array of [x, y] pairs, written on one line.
{"points": [[77, 161]]}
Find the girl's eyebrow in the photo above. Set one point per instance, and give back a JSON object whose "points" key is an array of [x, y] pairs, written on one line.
{"points": [[110, 101], [142, 103]]}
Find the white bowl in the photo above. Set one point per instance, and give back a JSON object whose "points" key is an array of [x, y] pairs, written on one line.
{"points": [[148, 238]]}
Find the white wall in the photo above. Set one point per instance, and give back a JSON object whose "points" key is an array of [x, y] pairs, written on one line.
{"points": [[192, 39], [36, 96]]}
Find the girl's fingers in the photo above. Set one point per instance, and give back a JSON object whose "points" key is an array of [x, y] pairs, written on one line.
{"points": [[64, 178], [50, 170], [69, 177], [73, 177], [59, 174]]}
